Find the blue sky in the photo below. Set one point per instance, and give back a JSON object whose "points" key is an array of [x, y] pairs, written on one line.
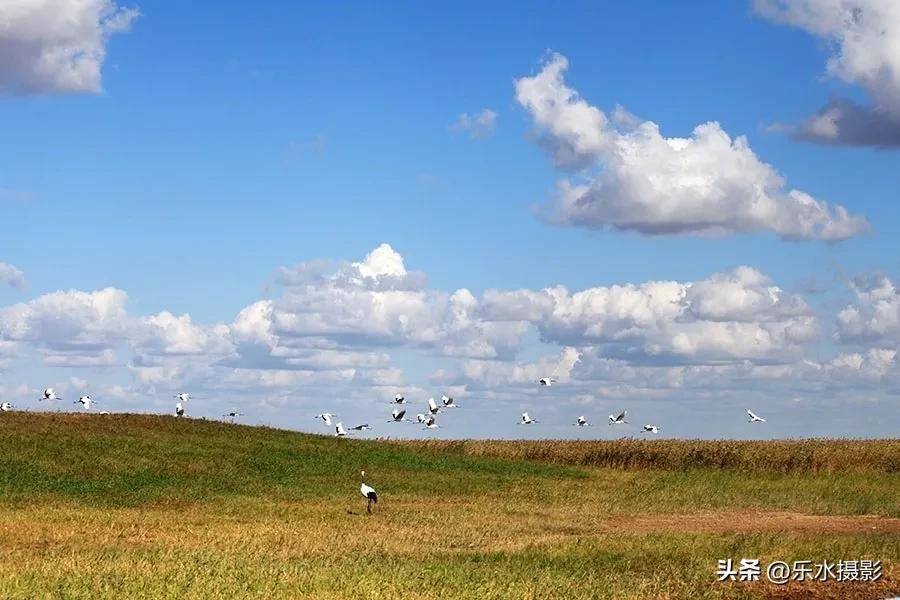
{"points": [[223, 143]]}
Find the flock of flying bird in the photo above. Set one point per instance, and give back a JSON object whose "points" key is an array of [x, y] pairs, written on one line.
{"points": [[429, 420], [398, 415], [86, 401]]}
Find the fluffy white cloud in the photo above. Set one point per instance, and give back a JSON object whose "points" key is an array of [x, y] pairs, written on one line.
{"points": [[728, 317], [57, 46], [478, 126], [493, 373], [335, 330], [11, 275], [348, 319], [76, 328], [165, 333], [865, 37], [876, 315], [874, 363], [742, 295], [586, 376], [366, 304], [636, 179]]}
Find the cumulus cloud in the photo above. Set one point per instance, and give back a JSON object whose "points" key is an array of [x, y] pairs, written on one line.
{"points": [[351, 317], [478, 126], [371, 303], [57, 46], [335, 328], [633, 178], [728, 317], [875, 317], [865, 38], [875, 363], [72, 326], [165, 333], [587, 376], [77, 328], [493, 373], [11, 275]]}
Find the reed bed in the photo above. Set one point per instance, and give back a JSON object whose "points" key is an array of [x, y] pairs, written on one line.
{"points": [[781, 456]]}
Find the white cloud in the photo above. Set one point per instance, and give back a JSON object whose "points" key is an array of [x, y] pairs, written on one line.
{"points": [[728, 317], [370, 303], [492, 373], [70, 326], [742, 295], [344, 319], [865, 38], [165, 333], [335, 331], [635, 179], [478, 126], [874, 363], [11, 276], [875, 317], [79, 358], [77, 328], [254, 324], [57, 46]]}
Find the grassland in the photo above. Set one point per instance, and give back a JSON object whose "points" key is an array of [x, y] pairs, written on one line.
{"points": [[126, 506]]}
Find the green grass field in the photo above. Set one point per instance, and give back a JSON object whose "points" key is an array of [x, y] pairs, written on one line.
{"points": [[127, 506]]}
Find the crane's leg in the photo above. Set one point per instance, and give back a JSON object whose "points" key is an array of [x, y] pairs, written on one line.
{"points": [[369, 506]]}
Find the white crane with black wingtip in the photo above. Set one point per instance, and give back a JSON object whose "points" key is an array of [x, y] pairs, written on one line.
{"points": [[618, 419], [399, 399], [430, 423], [448, 402], [420, 418], [398, 415], [368, 492], [85, 401], [179, 410], [6, 407], [546, 381], [527, 420], [326, 417], [363, 427], [339, 430], [754, 418], [50, 394], [582, 421], [651, 429], [183, 397], [433, 407]]}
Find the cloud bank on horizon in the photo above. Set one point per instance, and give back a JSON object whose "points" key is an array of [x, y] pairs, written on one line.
{"points": [[334, 328]]}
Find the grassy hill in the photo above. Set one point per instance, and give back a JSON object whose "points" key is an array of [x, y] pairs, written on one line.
{"points": [[146, 506]]}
